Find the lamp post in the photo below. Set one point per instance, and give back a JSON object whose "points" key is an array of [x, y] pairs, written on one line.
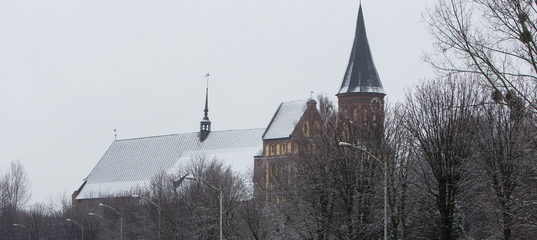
{"points": [[80, 225], [220, 197], [20, 225], [120, 219], [344, 144], [158, 207]]}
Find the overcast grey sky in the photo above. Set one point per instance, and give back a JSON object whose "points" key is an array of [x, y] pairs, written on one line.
{"points": [[73, 71]]}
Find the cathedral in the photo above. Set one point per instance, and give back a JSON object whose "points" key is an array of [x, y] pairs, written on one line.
{"points": [[132, 163]]}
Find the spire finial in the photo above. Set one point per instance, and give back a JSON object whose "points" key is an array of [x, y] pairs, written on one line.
{"points": [[207, 76], [207, 97]]}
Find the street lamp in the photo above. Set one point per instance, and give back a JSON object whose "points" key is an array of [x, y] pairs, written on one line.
{"points": [[20, 225], [158, 207], [97, 215], [120, 219], [80, 225], [220, 197], [344, 144]]}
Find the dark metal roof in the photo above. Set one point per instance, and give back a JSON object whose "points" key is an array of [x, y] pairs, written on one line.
{"points": [[361, 74]]}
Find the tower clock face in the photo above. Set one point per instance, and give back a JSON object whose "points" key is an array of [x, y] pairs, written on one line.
{"points": [[375, 104]]}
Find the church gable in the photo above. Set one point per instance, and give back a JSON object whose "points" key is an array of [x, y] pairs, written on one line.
{"points": [[285, 120], [309, 123], [292, 120]]}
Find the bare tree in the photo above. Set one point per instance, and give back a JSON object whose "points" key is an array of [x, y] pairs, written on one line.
{"points": [[197, 201], [400, 153], [15, 186], [440, 118], [14, 193], [494, 39], [502, 171]]}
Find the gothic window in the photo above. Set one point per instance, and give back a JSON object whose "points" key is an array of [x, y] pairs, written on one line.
{"points": [[306, 129], [267, 150], [365, 117], [267, 174], [345, 134], [317, 126], [289, 147]]}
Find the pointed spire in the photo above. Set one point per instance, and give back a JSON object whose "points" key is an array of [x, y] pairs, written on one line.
{"points": [[361, 74], [205, 124]]}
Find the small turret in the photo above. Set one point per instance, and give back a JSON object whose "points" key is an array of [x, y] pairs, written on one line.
{"points": [[205, 124]]}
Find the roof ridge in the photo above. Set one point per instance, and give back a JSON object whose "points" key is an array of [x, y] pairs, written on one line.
{"points": [[297, 101], [176, 134]]}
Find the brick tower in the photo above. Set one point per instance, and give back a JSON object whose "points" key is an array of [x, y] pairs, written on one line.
{"points": [[361, 95]]}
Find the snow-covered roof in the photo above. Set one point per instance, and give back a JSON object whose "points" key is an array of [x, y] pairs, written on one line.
{"points": [[131, 163], [285, 119]]}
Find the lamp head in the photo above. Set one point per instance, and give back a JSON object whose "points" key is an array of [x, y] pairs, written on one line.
{"points": [[178, 182]]}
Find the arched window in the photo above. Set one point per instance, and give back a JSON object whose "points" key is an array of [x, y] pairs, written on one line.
{"points": [[289, 147], [267, 150], [306, 129]]}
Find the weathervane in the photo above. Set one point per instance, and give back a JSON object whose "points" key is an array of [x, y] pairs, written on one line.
{"points": [[207, 76]]}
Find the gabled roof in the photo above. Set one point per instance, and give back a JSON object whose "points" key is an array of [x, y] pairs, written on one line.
{"points": [[285, 119], [131, 163], [361, 74]]}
